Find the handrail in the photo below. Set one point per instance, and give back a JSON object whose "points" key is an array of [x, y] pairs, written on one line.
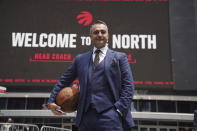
{"points": [[188, 117]]}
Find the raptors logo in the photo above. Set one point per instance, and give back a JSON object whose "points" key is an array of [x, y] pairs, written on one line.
{"points": [[84, 18]]}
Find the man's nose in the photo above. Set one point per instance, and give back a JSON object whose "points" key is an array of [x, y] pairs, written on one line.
{"points": [[100, 34]]}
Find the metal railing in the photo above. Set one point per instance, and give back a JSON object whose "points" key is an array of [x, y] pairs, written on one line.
{"points": [[50, 128], [28, 127], [18, 127]]}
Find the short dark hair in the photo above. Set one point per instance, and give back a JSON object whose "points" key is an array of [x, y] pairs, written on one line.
{"points": [[97, 22]]}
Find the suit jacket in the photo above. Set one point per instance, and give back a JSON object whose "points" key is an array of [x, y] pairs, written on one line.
{"points": [[119, 77]]}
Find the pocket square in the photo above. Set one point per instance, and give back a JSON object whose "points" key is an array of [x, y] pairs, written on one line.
{"points": [[114, 62]]}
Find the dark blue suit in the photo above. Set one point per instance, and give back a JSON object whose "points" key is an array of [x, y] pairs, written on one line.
{"points": [[118, 76]]}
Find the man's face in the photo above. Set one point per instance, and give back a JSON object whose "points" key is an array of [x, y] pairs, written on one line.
{"points": [[99, 35]]}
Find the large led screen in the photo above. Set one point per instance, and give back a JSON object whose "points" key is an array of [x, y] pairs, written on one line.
{"points": [[39, 39]]}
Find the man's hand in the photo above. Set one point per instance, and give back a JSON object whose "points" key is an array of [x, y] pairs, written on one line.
{"points": [[55, 109]]}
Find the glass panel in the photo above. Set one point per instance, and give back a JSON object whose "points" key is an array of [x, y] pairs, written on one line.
{"points": [[16, 103], [186, 106], [172, 129], [147, 122], [3, 103], [35, 103], [185, 124], [143, 129], [153, 129], [166, 106], [18, 120], [167, 123], [149, 106], [181, 129], [163, 129], [53, 120]]}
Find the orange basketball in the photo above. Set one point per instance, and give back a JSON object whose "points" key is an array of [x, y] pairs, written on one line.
{"points": [[67, 98]]}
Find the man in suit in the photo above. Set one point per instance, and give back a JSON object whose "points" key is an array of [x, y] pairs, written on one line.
{"points": [[106, 86]]}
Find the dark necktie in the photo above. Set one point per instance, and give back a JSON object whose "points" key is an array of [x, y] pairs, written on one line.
{"points": [[96, 58]]}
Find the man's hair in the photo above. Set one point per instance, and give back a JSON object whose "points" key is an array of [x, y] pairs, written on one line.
{"points": [[97, 22]]}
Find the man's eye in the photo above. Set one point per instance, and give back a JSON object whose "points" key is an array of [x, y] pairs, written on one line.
{"points": [[103, 32], [97, 32]]}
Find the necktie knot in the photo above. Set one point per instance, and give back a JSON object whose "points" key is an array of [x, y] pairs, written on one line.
{"points": [[97, 51]]}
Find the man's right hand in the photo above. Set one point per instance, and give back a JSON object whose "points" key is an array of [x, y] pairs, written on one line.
{"points": [[55, 109]]}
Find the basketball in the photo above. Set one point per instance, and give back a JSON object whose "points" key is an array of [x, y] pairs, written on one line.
{"points": [[67, 98]]}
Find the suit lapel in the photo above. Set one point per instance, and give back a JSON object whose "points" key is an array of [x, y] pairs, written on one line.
{"points": [[86, 68], [108, 60]]}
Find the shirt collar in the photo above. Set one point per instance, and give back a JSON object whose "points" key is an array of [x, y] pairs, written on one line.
{"points": [[103, 50]]}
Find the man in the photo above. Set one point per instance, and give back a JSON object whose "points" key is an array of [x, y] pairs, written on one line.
{"points": [[8, 126], [106, 86]]}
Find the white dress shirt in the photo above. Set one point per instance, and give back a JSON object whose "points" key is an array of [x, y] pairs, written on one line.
{"points": [[102, 54]]}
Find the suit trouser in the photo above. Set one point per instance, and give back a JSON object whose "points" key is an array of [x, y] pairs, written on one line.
{"points": [[108, 120]]}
